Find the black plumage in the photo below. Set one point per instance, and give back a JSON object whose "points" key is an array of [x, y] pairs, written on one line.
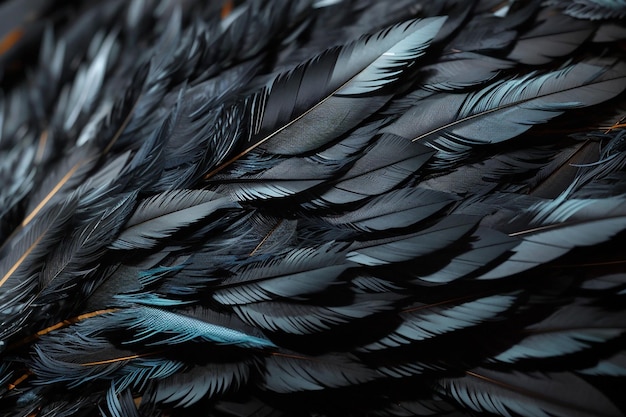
{"points": [[312, 208]]}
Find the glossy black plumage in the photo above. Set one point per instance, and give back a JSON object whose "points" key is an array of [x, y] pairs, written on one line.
{"points": [[312, 208]]}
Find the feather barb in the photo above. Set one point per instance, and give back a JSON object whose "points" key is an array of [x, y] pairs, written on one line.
{"points": [[60, 325], [20, 261], [265, 238], [286, 355], [499, 383], [444, 302], [122, 359], [51, 194]]}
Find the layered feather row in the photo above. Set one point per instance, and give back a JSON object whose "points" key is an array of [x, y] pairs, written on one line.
{"points": [[313, 208]]}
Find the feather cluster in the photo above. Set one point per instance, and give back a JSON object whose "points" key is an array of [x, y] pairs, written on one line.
{"points": [[312, 208]]}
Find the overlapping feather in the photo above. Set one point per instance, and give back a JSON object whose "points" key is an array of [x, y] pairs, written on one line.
{"points": [[308, 208]]}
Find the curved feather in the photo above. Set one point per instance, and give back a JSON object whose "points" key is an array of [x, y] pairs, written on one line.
{"points": [[510, 394], [165, 214], [391, 160], [19, 270], [593, 9], [179, 327], [405, 248], [207, 381], [421, 322], [297, 274], [289, 373], [488, 247], [571, 329], [364, 66], [546, 244], [119, 404], [395, 209], [508, 108], [302, 319], [556, 36]]}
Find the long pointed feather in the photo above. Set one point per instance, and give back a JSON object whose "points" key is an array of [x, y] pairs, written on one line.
{"points": [[454, 123], [297, 274], [546, 244], [20, 267], [286, 373], [166, 213], [511, 394], [402, 249], [426, 322], [556, 36], [571, 329]]}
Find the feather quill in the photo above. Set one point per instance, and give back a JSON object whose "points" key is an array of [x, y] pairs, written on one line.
{"points": [[20, 267]]}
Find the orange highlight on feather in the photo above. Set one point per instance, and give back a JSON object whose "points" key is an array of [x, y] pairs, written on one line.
{"points": [[227, 9], [18, 381], [10, 39], [51, 194], [124, 358], [19, 262], [60, 325]]}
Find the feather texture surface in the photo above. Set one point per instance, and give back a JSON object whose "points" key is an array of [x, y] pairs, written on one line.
{"points": [[312, 208]]}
